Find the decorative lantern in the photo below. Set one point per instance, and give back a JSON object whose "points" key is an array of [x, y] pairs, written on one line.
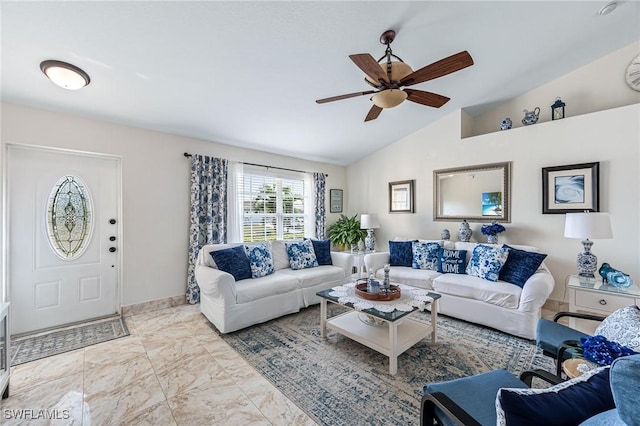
{"points": [[557, 110]]}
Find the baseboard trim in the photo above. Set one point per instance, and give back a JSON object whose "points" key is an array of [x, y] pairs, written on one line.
{"points": [[153, 305]]}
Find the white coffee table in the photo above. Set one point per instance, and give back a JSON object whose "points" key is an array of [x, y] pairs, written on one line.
{"points": [[390, 333]]}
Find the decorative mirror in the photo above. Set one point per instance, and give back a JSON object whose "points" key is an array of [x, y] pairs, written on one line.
{"points": [[476, 193]]}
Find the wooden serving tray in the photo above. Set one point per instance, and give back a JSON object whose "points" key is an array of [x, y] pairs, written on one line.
{"points": [[361, 291]]}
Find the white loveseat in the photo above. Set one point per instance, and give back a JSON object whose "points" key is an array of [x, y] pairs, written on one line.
{"points": [[231, 305], [500, 305]]}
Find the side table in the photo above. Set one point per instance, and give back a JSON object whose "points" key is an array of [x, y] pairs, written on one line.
{"points": [[593, 296], [570, 367], [358, 262]]}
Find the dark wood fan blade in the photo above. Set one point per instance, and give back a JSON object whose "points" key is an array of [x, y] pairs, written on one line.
{"points": [[369, 66], [347, 96], [426, 98], [374, 112], [437, 69]]}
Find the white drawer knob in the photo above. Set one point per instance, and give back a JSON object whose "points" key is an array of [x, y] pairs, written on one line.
{"points": [[603, 302]]}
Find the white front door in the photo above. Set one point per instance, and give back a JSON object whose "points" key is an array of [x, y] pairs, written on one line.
{"points": [[64, 237]]}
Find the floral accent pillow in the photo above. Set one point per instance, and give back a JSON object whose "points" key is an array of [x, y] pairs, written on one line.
{"points": [[622, 326], [260, 259], [425, 255], [301, 255], [486, 262]]}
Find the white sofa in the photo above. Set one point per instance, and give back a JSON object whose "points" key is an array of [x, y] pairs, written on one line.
{"points": [[231, 305], [500, 305]]}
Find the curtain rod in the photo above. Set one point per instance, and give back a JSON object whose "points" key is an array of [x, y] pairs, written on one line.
{"points": [[186, 154]]}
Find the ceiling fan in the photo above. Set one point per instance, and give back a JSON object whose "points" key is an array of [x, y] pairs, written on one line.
{"points": [[390, 78]]}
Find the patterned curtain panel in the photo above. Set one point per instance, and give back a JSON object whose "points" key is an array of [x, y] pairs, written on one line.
{"points": [[208, 212], [320, 211]]}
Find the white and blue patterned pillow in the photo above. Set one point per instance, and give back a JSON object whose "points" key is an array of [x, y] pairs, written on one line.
{"points": [[425, 255], [260, 259], [301, 255], [622, 326], [487, 261]]}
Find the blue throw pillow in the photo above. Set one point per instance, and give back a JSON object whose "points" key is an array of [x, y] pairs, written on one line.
{"points": [[322, 249], [425, 255], [260, 259], [234, 261], [400, 253], [520, 265], [486, 262], [569, 403], [451, 261], [301, 254]]}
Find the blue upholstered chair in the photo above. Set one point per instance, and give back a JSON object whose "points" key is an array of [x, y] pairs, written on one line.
{"points": [[604, 396], [471, 400], [556, 340]]}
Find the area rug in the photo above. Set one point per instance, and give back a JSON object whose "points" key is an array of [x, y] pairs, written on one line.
{"points": [[337, 381], [54, 342]]}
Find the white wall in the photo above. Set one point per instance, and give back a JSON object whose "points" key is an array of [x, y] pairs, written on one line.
{"points": [[155, 188], [611, 137]]}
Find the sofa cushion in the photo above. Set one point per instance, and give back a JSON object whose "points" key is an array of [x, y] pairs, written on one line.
{"points": [[234, 261], [260, 260], [260, 288], [622, 326], [568, 403], [497, 293], [425, 255], [520, 265], [310, 277], [421, 278], [625, 382], [475, 394], [400, 253], [279, 255], [301, 254], [322, 249], [487, 261], [452, 261]]}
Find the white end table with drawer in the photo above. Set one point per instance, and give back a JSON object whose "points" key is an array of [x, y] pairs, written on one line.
{"points": [[593, 296]]}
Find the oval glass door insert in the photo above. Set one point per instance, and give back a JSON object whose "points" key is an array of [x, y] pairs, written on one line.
{"points": [[69, 217]]}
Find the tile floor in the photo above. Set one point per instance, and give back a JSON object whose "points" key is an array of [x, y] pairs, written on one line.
{"points": [[172, 370]]}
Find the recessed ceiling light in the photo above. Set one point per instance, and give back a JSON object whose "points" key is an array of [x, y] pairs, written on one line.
{"points": [[65, 75], [608, 8]]}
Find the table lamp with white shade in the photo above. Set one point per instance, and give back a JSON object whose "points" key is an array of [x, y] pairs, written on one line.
{"points": [[587, 225], [369, 222]]}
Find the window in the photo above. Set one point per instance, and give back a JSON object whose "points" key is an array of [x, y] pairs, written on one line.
{"points": [[69, 221], [275, 205]]}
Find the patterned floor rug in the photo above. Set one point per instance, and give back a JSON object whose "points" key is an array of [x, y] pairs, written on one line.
{"points": [[337, 381], [33, 347]]}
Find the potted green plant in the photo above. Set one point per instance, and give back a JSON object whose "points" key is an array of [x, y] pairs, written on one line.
{"points": [[346, 231]]}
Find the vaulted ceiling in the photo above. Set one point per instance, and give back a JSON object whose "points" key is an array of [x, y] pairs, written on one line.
{"points": [[248, 73]]}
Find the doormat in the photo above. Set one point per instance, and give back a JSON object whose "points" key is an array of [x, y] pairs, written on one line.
{"points": [[32, 347]]}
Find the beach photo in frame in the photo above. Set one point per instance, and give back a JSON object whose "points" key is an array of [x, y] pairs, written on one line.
{"points": [[335, 201], [570, 189], [401, 197]]}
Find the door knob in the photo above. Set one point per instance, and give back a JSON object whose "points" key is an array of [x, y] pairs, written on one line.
{"points": [[112, 249], [112, 238], [112, 221]]}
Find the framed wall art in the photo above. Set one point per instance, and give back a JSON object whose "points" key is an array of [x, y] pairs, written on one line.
{"points": [[401, 197], [570, 189], [335, 201]]}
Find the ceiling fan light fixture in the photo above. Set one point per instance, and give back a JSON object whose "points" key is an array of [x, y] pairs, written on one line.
{"points": [[399, 70], [65, 75], [389, 98]]}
